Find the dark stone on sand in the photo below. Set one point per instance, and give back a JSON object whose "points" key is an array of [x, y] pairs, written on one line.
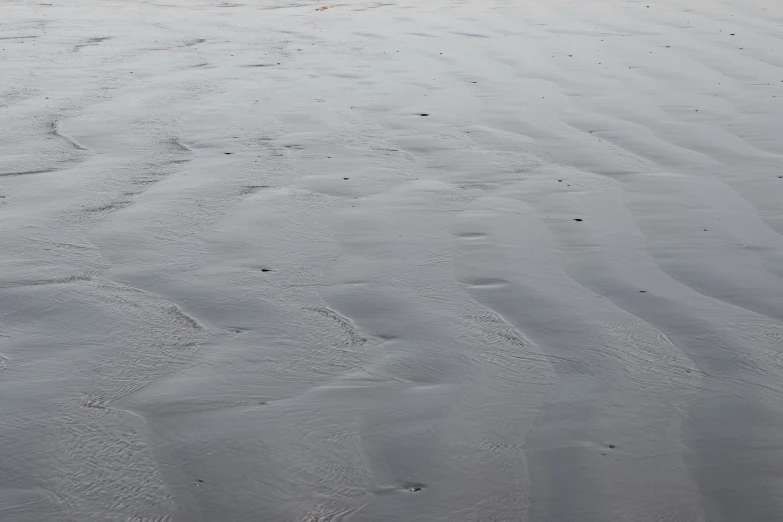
{"points": [[577, 219], [424, 114], [612, 446]]}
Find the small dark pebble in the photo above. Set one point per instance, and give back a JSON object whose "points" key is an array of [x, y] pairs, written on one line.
{"points": [[423, 114], [612, 446], [266, 269], [560, 181], [200, 481], [346, 179], [642, 291], [228, 153], [578, 219]]}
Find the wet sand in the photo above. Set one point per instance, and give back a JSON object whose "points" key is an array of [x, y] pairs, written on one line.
{"points": [[391, 261]]}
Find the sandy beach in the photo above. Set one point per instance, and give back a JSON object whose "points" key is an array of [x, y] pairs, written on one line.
{"points": [[444, 261]]}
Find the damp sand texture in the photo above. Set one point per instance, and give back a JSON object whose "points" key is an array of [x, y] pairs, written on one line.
{"points": [[411, 261]]}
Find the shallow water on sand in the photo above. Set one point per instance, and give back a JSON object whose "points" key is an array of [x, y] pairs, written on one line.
{"points": [[386, 261]]}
